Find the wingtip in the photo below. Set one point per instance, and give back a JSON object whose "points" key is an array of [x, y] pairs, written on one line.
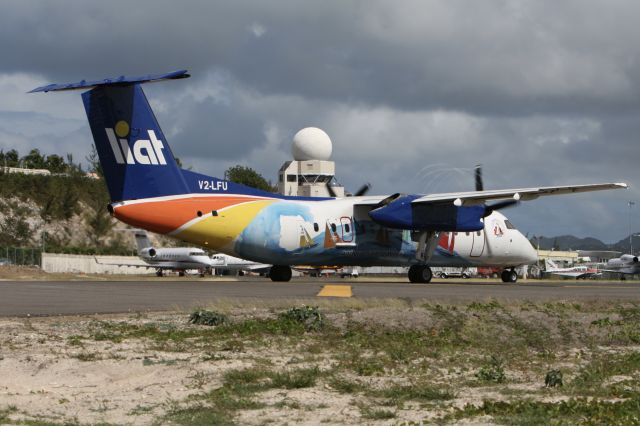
{"points": [[622, 185]]}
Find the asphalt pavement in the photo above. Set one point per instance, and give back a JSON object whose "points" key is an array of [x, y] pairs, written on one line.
{"points": [[22, 298]]}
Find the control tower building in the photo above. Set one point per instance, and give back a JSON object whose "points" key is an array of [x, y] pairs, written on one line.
{"points": [[311, 169]]}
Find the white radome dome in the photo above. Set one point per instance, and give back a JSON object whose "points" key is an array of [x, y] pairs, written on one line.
{"points": [[311, 143]]}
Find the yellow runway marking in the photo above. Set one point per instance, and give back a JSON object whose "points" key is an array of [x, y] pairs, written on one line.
{"points": [[336, 291]]}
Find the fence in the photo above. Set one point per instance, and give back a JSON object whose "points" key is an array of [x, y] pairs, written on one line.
{"points": [[20, 255]]}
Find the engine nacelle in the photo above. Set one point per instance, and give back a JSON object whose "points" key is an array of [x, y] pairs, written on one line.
{"points": [[148, 252], [399, 213]]}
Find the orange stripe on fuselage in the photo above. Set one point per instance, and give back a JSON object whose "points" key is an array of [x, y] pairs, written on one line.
{"points": [[165, 216]]}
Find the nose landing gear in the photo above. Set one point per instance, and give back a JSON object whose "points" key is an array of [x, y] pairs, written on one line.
{"points": [[509, 276], [420, 274]]}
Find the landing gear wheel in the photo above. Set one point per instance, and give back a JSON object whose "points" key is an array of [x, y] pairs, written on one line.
{"points": [[181, 273], [159, 272], [420, 274], [509, 276], [280, 273]]}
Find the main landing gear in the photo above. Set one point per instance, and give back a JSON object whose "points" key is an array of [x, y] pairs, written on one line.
{"points": [[420, 274], [509, 276], [280, 273]]}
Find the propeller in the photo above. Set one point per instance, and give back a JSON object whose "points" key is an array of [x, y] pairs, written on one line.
{"points": [[478, 176], [490, 208], [360, 192]]}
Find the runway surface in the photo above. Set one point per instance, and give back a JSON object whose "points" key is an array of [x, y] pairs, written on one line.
{"points": [[21, 298]]}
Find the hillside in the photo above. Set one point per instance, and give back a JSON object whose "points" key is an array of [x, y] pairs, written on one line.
{"points": [[63, 213], [569, 242]]}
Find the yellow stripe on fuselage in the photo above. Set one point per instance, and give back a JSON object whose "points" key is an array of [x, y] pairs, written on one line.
{"points": [[220, 231]]}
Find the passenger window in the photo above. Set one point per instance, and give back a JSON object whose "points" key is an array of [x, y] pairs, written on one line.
{"points": [[315, 227], [346, 227], [466, 233], [478, 233], [214, 213], [333, 227]]}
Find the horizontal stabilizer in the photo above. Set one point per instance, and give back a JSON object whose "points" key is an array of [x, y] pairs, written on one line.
{"points": [[117, 81]]}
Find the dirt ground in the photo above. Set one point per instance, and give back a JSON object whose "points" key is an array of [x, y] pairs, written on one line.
{"points": [[156, 368]]}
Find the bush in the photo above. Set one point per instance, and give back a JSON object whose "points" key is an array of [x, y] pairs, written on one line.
{"points": [[553, 379], [492, 371], [309, 316], [207, 318]]}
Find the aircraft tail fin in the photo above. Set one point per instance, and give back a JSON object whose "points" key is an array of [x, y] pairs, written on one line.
{"points": [[550, 264], [133, 151], [142, 240]]}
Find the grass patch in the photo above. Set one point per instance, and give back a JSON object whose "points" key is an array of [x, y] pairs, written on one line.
{"points": [[415, 392], [575, 411]]}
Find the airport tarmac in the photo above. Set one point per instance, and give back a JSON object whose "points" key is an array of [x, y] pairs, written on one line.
{"points": [[22, 298]]}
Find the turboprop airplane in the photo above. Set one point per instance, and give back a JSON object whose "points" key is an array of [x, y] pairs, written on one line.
{"points": [[577, 272], [161, 259], [148, 190]]}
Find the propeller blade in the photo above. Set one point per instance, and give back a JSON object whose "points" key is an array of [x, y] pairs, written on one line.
{"points": [[488, 209], [478, 175], [363, 190], [332, 193]]}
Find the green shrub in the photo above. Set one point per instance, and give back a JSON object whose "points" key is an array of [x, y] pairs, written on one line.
{"points": [[309, 316], [207, 318], [492, 371], [553, 379]]}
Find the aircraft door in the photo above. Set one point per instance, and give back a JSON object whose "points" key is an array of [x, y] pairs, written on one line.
{"points": [[347, 229], [477, 243]]}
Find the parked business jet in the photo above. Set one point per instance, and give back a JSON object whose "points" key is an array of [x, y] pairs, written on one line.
{"points": [[577, 272], [162, 259], [148, 190], [231, 263], [627, 264]]}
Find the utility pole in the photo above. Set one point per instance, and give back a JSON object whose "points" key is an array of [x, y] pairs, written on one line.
{"points": [[631, 204]]}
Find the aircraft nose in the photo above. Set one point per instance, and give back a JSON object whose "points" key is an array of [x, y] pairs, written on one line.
{"points": [[528, 253]]}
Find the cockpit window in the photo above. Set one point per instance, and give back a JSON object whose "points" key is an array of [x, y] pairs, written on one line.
{"points": [[195, 253], [509, 225]]}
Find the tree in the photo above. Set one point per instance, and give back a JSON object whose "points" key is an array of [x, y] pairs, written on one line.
{"points": [[249, 177], [33, 160], [55, 163], [11, 158], [94, 162]]}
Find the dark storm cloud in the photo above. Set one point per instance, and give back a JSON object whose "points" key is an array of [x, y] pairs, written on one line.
{"points": [[412, 93], [484, 57]]}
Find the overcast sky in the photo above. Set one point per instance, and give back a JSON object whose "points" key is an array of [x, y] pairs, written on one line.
{"points": [[412, 93]]}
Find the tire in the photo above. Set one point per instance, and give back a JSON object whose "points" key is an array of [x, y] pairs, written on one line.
{"points": [[465, 276], [509, 276], [420, 274], [414, 273], [425, 274], [280, 273]]}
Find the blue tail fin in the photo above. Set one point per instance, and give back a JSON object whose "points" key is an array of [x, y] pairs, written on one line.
{"points": [[135, 157]]}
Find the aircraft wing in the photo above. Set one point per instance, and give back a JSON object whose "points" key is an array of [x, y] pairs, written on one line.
{"points": [[523, 194], [137, 265]]}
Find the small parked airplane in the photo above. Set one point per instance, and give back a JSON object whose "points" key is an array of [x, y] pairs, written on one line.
{"points": [[162, 259], [627, 264], [148, 190], [577, 272], [231, 263]]}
